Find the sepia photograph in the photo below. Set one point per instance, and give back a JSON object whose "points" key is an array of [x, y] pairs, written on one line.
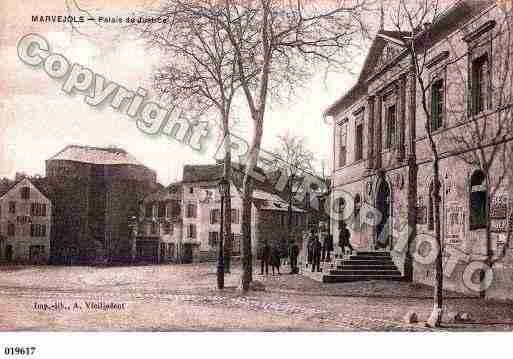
{"points": [[321, 168]]}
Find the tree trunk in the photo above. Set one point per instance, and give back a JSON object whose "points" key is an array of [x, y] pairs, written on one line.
{"points": [[438, 290], [247, 268], [247, 193], [227, 230], [289, 213]]}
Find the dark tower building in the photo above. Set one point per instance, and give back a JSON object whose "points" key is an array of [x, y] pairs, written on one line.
{"points": [[95, 192]]}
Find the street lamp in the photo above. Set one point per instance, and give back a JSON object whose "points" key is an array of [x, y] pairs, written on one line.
{"points": [[224, 188]]}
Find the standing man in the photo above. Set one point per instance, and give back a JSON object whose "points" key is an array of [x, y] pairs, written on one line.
{"points": [[275, 259], [293, 254], [266, 256], [344, 238], [316, 254]]}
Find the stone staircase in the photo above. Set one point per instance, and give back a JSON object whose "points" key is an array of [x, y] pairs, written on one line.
{"points": [[364, 266]]}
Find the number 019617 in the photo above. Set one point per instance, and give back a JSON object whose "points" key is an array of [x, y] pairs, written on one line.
{"points": [[19, 351]]}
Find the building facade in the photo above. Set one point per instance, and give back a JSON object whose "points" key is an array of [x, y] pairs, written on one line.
{"points": [[158, 236], [95, 192], [383, 159], [25, 224], [196, 230]]}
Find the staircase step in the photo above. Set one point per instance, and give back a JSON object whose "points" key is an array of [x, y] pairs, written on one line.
{"points": [[330, 278], [365, 272], [367, 267], [366, 262], [373, 253]]}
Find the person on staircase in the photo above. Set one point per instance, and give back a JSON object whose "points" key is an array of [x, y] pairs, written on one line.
{"points": [[344, 238]]}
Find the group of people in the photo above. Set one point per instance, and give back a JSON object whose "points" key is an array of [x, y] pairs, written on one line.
{"points": [[272, 256], [319, 245]]}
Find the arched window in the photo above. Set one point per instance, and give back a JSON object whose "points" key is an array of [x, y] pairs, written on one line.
{"points": [[340, 206], [478, 200]]}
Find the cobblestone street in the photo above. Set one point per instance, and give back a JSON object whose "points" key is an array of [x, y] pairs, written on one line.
{"points": [[183, 297]]}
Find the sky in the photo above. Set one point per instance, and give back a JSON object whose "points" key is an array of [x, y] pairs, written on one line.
{"points": [[38, 119]]}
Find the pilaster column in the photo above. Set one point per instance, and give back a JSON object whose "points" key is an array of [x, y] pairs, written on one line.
{"points": [[378, 131], [402, 118], [412, 114], [370, 133]]}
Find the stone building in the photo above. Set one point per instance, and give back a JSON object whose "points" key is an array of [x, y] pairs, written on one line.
{"points": [[158, 238], [95, 191], [196, 232], [25, 224], [382, 156]]}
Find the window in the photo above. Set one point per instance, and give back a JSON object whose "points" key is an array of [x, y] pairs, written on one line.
{"points": [[391, 122], [36, 251], [213, 239], [342, 145], [191, 190], [37, 230], [161, 210], [167, 228], [191, 230], [236, 243], [175, 208], [149, 211], [154, 228], [191, 210], [11, 231], [235, 216], [479, 84], [431, 209], [340, 206], [359, 142], [283, 220], [215, 215], [12, 207], [25, 193], [478, 200], [437, 104], [38, 209]]}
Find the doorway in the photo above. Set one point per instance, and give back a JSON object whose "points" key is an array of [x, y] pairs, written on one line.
{"points": [[8, 253], [383, 205]]}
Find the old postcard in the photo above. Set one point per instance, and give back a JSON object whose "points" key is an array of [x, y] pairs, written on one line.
{"points": [[255, 165]]}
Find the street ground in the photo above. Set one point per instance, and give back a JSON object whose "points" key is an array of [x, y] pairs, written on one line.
{"points": [[184, 297]]}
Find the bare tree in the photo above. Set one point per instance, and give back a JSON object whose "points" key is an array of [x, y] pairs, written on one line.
{"points": [[269, 48], [297, 159], [413, 20], [485, 142], [289, 41], [198, 75], [481, 143]]}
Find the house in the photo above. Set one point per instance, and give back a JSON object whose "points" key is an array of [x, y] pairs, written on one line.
{"points": [[159, 234], [25, 224], [382, 156], [195, 234], [95, 192]]}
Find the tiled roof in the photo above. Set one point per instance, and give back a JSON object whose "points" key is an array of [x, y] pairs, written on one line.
{"points": [[271, 202], [96, 155], [446, 21], [202, 173], [170, 192], [265, 196]]}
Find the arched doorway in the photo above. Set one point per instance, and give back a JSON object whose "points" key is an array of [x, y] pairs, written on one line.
{"points": [[383, 205]]}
